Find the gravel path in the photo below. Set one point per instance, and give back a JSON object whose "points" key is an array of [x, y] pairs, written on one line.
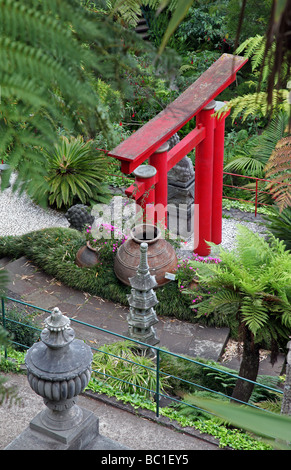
{"points": [[20, 215]]}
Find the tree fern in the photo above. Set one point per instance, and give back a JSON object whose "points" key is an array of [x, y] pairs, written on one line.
{"points": [[252, 288], [255, 276], [278, 169]]}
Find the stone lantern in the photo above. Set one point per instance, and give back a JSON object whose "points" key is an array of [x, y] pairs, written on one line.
{"points": [[142, 301]]}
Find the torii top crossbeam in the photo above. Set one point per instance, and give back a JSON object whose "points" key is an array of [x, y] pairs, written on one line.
{"points": [[140, 145]]}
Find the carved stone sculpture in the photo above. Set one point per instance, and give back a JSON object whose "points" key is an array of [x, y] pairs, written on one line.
{"points": [[78, 216]]}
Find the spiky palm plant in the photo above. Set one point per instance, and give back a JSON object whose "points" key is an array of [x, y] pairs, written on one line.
{"points": [[125, 369], [76, 173], [252, 285]]}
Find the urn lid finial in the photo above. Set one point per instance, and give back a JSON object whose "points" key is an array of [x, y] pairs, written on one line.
{"points": [[57, 321], [57, 332]]}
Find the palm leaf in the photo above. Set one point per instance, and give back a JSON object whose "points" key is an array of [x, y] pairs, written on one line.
{"points": [[269, 425]]}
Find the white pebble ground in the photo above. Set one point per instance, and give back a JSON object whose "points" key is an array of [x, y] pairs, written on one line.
{"points": [[19, 215]]}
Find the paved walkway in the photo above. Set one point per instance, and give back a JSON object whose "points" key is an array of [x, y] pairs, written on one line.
{"points": [[35, 287], [116, 422]]}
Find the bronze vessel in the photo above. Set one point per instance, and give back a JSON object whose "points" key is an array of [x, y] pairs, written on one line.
{"points": [[87, 256], [162, 257]]}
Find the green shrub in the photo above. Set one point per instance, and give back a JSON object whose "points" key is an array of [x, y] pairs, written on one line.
{"points": [[204, 29], [279, 225], [21, 328], [126, 370], [75, 173]]}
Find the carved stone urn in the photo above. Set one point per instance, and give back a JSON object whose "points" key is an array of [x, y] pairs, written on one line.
{"points": [[59, 368]]}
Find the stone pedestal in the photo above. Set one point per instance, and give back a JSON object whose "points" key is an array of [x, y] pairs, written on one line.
{"points": [[86, 437], [181, 180], [59, 368], [286, 402]]}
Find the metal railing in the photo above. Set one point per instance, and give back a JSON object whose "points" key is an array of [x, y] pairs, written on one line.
{"points": [[256, 191], [157, 393]]}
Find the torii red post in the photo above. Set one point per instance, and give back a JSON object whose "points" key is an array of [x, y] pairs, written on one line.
{"points": [[207, 137]]}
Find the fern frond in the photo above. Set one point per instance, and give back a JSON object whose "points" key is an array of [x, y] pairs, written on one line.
{"points": [[278, 169], [254, 48], [254, 241], [276, 130], [254, 313], [225, 297], [256, 103], [50, 52]]}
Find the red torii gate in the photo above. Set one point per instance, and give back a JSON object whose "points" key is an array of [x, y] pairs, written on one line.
{"points": [[207, 137]]}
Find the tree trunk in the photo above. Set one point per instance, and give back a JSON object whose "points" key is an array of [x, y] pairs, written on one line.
{"points": [[249, 368]]}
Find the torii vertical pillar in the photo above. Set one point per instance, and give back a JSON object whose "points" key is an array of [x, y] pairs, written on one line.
{"points": [[217, 177], [159, 160], [204, 180]]}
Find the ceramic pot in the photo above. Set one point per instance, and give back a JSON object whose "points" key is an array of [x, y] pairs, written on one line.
{"points": [[162, 257], [87, 256]]}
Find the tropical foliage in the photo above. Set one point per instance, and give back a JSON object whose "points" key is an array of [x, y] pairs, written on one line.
{"points": [[50, 51], [123, 367], [253, 103], [251, 285], [279, 170], [251, 156], [72, 70], [75, 173], [279, 223]]}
